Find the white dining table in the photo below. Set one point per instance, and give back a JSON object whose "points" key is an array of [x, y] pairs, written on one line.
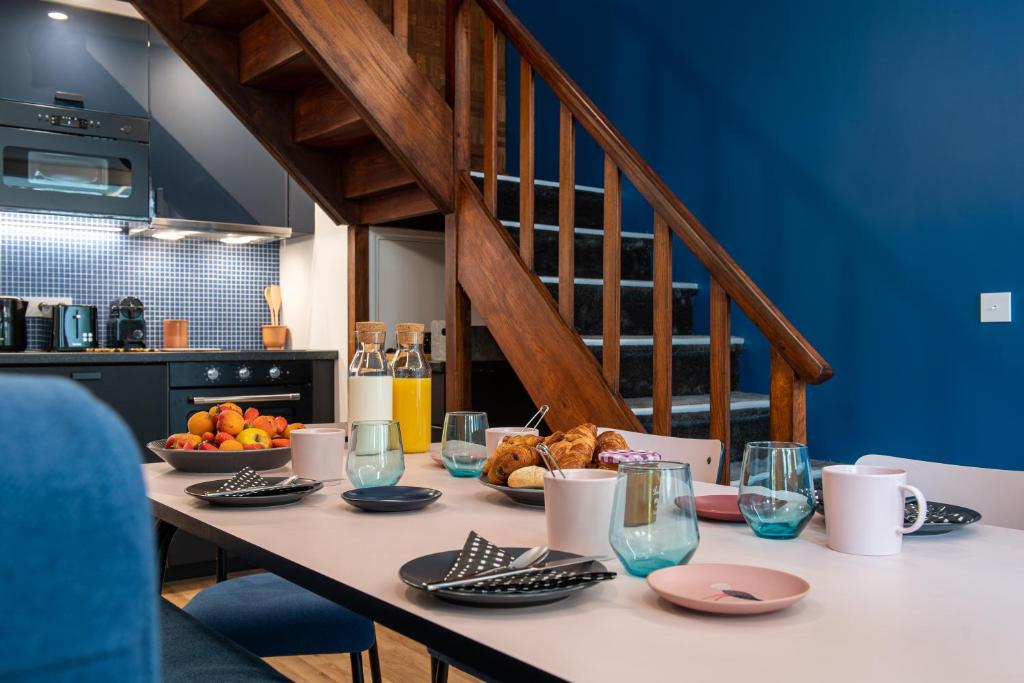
{"points": [[948, 608]]}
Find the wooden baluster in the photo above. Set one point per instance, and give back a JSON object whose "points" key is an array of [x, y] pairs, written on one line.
{"points": [[358, 281], [566, 214], [662, 379], [721, 373], [490, 122], [526, 161], [612, 272], [400, 21], [458, 370], [788, 402]]}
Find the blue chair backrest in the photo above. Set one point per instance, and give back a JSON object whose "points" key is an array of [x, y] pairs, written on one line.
{"points": [[77, 562]]}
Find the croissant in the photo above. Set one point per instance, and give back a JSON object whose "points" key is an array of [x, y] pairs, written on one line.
{"points": [[509, 457], [609, 441], [576, 450]]}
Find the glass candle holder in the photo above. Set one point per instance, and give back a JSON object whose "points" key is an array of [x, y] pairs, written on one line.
{"points": [[464, 443], [375, 455], [776, 488], [649, 530]]}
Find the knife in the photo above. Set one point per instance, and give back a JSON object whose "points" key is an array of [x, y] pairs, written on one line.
{"points": [[570, 562]]}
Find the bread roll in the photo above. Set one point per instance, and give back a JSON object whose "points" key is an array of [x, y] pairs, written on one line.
{"points": [[531, 477]]}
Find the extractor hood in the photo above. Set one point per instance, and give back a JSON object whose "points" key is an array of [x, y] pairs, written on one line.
{"points": [[229, 233]]}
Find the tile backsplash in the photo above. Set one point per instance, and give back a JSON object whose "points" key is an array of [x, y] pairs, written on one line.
{"points": [[217, 287]]}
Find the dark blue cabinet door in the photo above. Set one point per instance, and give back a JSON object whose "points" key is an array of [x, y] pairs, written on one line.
{"points": [[99, 56], [205, 164], [301, 210]]}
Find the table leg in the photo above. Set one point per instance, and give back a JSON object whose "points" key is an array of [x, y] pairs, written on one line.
{"points": [[164, 535], [221, 565]]}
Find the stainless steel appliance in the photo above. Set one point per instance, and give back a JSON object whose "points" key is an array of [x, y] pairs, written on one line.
{"points": [[74, 328], [72, 160], [126, 327], [12, 323]]}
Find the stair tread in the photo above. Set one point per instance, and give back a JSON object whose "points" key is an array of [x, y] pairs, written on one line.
{"points": [[700, 403], [648, 340], [542, 183], [596, 282], [547, 227]]}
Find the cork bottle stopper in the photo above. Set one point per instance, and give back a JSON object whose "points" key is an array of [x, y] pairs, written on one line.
{"points": [[409, 333], [371, 326]]}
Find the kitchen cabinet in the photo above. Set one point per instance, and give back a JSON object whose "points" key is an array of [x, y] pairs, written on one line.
{"points": [[301, 210], [138, 393], [205, 164], [102, 57]]}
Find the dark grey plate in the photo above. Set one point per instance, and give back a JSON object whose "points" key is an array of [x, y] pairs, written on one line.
{"points": [[255, 501], [221, 462], [942, 517], [391, 498], [531, 497], [433, 568]]}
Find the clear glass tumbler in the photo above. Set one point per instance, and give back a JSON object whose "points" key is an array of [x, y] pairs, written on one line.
{"points": [[375, 455], [649, 529], [464, 443], [776, 488]]}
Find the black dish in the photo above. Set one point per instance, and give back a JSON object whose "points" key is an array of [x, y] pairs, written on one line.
{"points": [[942, 517], [391, 498], [203, 488], [531, 497], [221, 462], [433, 567]]}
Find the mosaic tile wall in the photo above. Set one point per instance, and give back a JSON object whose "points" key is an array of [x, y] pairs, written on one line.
{"points": [[217, 287]]}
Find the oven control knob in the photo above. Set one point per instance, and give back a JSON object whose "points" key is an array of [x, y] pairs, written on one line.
{"points": [[244, 373], [212, 374], [274, 372]]}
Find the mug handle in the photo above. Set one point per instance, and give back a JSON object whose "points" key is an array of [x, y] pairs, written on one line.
{"points": [[922, 509]]}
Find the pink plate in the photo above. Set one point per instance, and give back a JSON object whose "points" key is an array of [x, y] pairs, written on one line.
{"points": [[707, 588], [436, 457], [724, 508]]}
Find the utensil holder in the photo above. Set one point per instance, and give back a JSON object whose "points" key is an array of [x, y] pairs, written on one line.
{"points": [[275, 336]]}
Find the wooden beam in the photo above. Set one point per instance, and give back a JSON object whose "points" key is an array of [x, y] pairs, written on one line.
{"points": [[662, 380], [611, 293], [358, 282], [788, 395], [358, 54], [721, 373], [526, 162], [566, 215]]}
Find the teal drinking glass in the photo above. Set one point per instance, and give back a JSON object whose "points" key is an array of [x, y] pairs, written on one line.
{"points": [[464, 443], [375, 455], [649, 529], [776, 488]]}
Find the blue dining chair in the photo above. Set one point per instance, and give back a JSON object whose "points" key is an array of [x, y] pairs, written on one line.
{"points": [[78, 578]]}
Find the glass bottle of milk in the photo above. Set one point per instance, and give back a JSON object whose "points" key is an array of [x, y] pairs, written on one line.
{"points": [[370, 376]]}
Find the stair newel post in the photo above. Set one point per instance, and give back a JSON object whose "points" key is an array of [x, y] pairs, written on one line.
{"points": [[788, 396], [721, 373], [490, 122], [662, 380], [458, 370], [611, 294], [566, 214], [526, 161], [358, 281]]}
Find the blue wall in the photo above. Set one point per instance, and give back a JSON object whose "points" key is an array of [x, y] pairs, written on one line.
{"points": [[864, 162]]}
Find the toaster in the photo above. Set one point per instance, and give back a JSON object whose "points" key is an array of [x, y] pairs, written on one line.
{"points": [[74, 328]]}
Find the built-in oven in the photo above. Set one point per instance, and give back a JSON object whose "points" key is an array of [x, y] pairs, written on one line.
{"points": [[72, 160]]}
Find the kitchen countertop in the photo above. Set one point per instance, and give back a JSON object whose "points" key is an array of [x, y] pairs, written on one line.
{"points": [[138, 357]]}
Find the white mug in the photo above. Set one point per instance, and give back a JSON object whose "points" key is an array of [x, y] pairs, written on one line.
{"points": [[578, 510], [494, 435], [318, 453], [864, 508]]}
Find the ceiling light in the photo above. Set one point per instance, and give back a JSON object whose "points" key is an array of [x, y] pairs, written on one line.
{"points": [[171, 235], [58, 16]]}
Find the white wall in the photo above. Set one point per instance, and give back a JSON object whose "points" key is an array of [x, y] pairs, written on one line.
{"points": [[314, 294]]}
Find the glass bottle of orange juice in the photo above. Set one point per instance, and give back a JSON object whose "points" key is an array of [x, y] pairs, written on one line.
{"points": [[411, 393]]}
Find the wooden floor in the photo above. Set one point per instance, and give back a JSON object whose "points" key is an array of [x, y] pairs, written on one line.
{"points": [[401, 660]]}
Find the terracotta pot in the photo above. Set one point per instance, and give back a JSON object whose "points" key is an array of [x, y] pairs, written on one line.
{"points": [[275, 336]]}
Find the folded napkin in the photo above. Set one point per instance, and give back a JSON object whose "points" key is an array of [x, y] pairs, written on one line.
{"points": [[479, 554], [248, 478]]}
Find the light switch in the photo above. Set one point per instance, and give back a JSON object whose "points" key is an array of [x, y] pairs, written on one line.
{"points": [[995, 307]]}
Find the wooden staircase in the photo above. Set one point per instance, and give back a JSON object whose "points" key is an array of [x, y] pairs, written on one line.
{"points": [[329, 88]]}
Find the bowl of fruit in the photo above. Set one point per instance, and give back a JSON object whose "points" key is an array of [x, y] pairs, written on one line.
{"points": [[225, 439]]}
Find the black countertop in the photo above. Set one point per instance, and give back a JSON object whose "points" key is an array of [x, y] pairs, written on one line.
{"points": [[154, 357]]}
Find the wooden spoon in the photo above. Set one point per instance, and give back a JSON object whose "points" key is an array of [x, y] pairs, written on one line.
{"points": [[266, 296], [275, 303]]}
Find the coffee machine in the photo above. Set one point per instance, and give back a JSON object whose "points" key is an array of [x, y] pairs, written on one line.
{"points": [[126, 328]]}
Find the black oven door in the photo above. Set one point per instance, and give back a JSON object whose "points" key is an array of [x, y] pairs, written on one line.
{"points": [[71, 173], [293, 403]]}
